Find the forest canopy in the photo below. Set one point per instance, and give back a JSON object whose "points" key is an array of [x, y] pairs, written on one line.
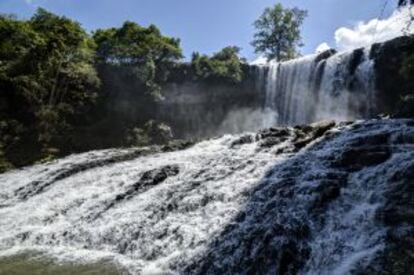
{"points": [[225, 65], [47, 78], [57, 82]]}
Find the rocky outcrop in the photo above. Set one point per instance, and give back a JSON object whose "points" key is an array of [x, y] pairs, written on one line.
{"points": [[391, 85], [148, 180], [405, 107], [300, 136], [281, 232]]}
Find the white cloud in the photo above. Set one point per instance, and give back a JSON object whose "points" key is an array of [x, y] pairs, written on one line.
{"points": [[322, 47], [375, 30], [261, 60]]}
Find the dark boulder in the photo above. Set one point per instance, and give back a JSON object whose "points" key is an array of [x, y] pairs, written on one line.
{"points": [[246, 139], [405, 107], [325, 55], [390, 83], [358, 158], [148, 179], [272, 136], [305, 134], [398, 216]]}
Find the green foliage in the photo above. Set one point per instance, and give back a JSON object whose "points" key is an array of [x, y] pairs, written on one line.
{"points": [[4, 163], [278, 32], [150, 53], [52, 101], [10, 135], [225, 65], [46, 71]]}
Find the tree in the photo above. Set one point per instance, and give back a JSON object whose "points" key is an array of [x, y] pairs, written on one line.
{"points": [[46, 73], [225, 65], [150, 53], [278, 32]]}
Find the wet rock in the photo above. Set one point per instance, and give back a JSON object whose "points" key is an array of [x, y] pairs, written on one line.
{"points": [[305, 134], [344, 202], [273, 132], [246, 139], [157, 176], [397, 214], [320, 128], [356, 59], [148, 179], [272, 136], [391, 85], [326, 192], [177, 145], [325, 55], [399, 208], [405, 108], [271, 141], [358, 158], [37, 187], [371, 140]]}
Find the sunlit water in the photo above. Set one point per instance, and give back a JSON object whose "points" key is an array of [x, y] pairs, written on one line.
{"points": [[192, 217], [310, 88]]}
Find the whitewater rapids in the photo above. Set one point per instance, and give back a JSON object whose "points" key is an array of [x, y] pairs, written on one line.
{"points": [[301, 200]]}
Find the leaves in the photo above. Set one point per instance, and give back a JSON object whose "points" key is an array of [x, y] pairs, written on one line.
{"points": [[225, 65], [47, 67], [278, 32], [151, 54]]}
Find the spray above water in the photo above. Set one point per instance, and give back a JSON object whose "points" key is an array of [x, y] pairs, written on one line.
{"points": [[234, 205]]}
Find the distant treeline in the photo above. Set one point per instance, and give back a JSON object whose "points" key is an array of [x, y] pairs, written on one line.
{"points": [[54, 101]]}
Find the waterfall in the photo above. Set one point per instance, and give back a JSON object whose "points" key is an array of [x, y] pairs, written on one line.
{"points": [[245, 204], [337, 86]]}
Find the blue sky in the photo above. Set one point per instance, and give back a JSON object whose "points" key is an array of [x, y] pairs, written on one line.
{"points": [[208, 25]]}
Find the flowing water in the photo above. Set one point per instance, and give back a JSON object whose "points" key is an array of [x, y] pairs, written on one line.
{"points": [[308, 200], [236, 204], [321, 86]]}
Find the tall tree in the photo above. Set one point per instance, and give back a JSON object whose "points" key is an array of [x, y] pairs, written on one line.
{"points": [[278, 34], [47, 71], [150, 53]]}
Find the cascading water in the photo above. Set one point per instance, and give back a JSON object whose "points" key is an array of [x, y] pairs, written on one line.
{"points": [[304, 200], [327, 198], [324, 86]]}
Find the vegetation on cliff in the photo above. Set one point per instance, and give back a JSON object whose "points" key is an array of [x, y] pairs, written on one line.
{"points": [[146, 50], [226, 65], [58, 85], [47, 81]]}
